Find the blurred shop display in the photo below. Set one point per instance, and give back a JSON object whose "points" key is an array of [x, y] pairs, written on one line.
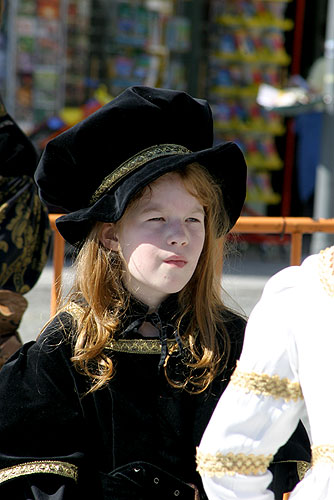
{"points": [[58, 53], [45, 55], [142, 42], [246, 50]]}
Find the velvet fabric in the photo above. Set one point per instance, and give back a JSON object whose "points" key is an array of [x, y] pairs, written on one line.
{"points": [[133, 440], [25, 230], [75, 163], [17, 153], [138, 421]]}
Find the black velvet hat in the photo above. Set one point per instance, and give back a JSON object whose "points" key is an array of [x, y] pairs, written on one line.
{"points": [[92, 170]]}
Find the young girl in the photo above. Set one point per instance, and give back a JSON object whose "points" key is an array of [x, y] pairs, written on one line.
{"points": [[112, 399]]}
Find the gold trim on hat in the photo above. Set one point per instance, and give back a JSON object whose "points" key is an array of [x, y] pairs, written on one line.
{"points": [[64, 469], [135, 162]]}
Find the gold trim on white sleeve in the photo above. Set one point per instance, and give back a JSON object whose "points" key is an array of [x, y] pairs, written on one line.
{"points": [[326, 270], [267, 385], [323, 453], [220, 465]]}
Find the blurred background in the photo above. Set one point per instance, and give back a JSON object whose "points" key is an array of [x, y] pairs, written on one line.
{"points": [[62, 59]]}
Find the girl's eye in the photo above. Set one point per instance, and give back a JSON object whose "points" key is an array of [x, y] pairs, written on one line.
{"points": [[156, 219], [193, 219]]}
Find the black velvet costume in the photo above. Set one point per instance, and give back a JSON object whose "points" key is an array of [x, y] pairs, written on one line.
{"points": [[136, 438], [133, 439], [137, 419]]}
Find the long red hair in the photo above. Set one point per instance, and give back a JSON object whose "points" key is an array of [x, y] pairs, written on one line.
{"points": [[99, 299]]}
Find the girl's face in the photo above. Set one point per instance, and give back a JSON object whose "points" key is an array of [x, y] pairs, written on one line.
{"points": [[160, 238]]}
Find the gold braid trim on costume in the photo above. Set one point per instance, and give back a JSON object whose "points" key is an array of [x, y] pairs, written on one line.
{"points": [[302, 468], [140, 346], [39, 467], [135, 162], [267, 385], [301, 465], [74, 310], [322, 453], [130, 346], [326, 270], [220, 465]]}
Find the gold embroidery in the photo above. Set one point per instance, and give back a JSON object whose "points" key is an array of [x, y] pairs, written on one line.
{"points": [[131, 346], [4, 246], [3, 209], [326, 270], [267, 385], [220, 465], [140, 346], [323, 453], [74, 310], [24, 236], [302, 468], [40, 467], [135, 162]]}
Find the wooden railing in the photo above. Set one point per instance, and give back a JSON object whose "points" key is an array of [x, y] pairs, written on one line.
{"points": [[294, 226]]}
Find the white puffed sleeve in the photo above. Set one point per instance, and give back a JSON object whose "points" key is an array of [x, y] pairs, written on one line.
{"points": [[272, 388], [315, 343]]}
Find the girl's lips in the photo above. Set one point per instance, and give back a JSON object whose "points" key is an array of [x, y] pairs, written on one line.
{"points": [[176, 262]]}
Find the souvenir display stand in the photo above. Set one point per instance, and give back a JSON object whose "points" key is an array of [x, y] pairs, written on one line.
{"points": [[246, 49], [59, 53], [141, 42], [35, 55]]}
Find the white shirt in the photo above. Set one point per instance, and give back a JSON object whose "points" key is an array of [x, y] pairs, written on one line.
{"points": [[285, 373]]}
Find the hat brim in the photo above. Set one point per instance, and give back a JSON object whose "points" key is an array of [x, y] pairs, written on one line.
{"points": [[225, 162]]}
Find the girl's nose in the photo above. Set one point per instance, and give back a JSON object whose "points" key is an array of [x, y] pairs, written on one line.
{"points": [[177, 235]]}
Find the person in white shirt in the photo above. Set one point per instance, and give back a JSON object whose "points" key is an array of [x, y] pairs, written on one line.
{"points": [[285, 374]]}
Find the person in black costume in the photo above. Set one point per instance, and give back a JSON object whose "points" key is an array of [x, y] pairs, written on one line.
{"points": [[24, 230], [112, 399]]}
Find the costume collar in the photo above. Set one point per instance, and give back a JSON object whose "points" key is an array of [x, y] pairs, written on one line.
{"points": [[163, 319], [167, 310]]}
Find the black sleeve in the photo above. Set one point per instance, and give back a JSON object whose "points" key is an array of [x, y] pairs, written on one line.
{"points": [[290, 463], [41, 424]]}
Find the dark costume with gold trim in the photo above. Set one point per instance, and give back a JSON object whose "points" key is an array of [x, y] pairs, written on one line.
{"points": [[134, 439], [24, 230]]}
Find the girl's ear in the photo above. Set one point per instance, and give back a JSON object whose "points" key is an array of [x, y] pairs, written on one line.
{"points": [[108, 236]]}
